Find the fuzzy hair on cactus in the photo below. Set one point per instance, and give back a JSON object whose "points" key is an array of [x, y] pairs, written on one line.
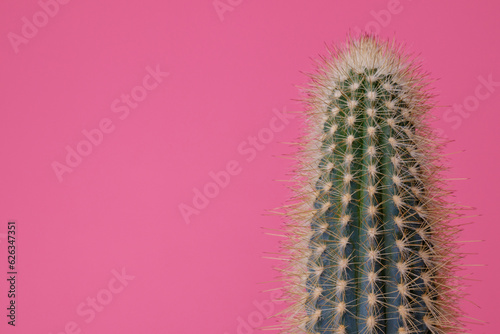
{"points": [[370, 244]]}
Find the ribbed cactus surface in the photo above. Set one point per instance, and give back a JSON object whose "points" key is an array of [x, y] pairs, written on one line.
{"points": [[370, 244]]}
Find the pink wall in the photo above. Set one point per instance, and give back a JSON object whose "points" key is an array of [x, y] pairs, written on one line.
{"points": [[116, 211]]}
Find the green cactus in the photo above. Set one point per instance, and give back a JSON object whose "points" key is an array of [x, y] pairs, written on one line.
{"points": [[371, 245]]}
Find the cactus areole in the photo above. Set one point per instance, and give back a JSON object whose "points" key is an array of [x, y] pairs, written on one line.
{"points": [[370, 245]]}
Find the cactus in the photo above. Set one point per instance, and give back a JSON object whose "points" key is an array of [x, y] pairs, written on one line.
{"points": [[371, 245]]}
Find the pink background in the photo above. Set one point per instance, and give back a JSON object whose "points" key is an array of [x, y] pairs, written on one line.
{"points": [[119, 208]]}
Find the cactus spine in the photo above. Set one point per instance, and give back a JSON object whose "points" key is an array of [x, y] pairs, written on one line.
{"points": [[370, 246]]}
